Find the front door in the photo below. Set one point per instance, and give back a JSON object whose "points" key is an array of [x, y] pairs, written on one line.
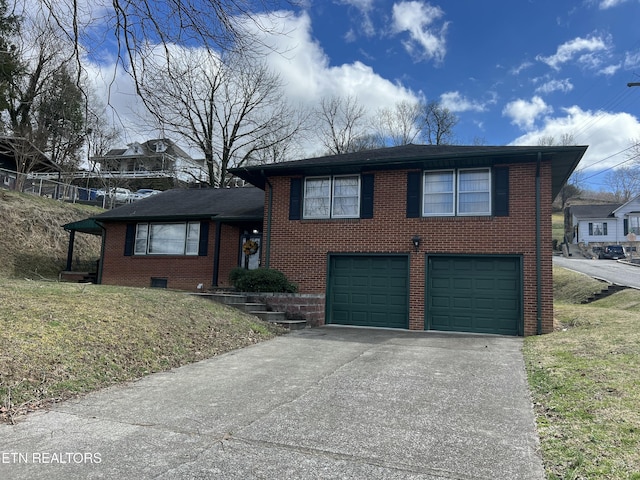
{"points": [[250, 250]]}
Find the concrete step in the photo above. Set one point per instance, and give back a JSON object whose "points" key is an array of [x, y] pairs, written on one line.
{"points": [[610, 290], [275, 317], [293, 324], [249, 307], [231, 299], [239, 301]]}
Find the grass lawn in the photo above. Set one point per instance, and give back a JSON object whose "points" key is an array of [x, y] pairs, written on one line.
{"points": [[60, 339], [585, 383], [557, 227]]}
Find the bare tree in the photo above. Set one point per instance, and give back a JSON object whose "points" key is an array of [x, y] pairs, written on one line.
{"points": [[399, 125], [26, 155], [439, 123], [231, 109], [572, 187], [42, 107], [623, 182], [138, 25], [342, 125]]}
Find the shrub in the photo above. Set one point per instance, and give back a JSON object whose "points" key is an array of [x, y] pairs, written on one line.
{"points": [[261, 280], [236, 274]]}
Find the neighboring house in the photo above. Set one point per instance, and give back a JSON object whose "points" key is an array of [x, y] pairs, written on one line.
{"points": [[604, 224], [418, 237], [158, 158], [19, 155]]}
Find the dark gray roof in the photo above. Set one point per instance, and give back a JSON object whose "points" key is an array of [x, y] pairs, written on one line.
{"points": [[563, 159], [594, 211], [245, 203], [149, 150]]}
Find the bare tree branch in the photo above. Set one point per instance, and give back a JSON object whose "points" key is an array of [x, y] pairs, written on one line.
{"points": [[230, 108]]}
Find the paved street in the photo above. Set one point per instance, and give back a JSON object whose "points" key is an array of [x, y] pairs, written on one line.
{"points": [[609, 270]]}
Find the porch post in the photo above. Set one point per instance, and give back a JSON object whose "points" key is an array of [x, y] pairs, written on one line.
{"points": [[72, 239]]}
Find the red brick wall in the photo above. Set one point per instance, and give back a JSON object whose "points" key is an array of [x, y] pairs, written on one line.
{"points": [[182, 272], [229, 253], [300, 248]]}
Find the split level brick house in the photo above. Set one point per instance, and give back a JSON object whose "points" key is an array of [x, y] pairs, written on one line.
{"points": [[448, 238]]}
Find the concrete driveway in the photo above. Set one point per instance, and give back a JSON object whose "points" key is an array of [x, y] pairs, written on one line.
{"points": [[329, 402]]}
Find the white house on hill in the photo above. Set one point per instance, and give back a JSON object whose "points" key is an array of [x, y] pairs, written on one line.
{"points": [[605, 223]]}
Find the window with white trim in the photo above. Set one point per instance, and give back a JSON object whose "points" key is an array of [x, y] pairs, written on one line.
{"points": [[332, 197], [597, 229], [456, 192], [634, 224], [474, 192], [439, 193], [180, 238]]}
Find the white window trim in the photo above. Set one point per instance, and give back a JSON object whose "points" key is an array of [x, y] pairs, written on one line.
{"points": [[148, 234], [473, 214], [453, 192], [331, 214], [456, 193], [333, 196]]}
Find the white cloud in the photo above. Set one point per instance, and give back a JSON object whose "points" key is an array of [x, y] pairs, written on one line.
{"points": [[610, 70], [427, 40], [455, 102], [605, 4], [297, 57], [632, 60], [551, 86], [520, 68], [366, 24], [309, 76], [606, 133], [524, 114], [569, 50]]}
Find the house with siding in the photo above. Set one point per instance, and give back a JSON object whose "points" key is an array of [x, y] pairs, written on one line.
{"points": [[604, 224], [418, 237]]}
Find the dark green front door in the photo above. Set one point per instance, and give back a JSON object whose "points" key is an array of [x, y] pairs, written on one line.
{"points": [[479, 294], [368, 290]]}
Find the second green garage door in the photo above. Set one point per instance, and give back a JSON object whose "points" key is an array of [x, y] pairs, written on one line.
{"points": [[479, 294], [368, 290]]}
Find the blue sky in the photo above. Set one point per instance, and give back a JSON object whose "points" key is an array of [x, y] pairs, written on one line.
{"points": [[512, 71]]}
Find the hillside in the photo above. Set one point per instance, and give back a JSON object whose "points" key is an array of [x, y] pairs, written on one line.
{"points": [[32, 242]]}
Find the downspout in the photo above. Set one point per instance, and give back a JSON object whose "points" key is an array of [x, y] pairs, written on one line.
{"points": [[538, 249], [267, 255]]}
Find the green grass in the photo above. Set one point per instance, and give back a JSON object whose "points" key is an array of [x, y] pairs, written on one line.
{"points": [[557, 227], [585, 385], [573, 287], [58, 340]]}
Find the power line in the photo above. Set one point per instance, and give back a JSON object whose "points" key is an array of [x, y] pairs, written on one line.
{"points": [[612, 167]]}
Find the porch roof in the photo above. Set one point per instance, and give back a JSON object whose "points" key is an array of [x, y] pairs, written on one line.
{"points": [[88, 225], [228, 204]]}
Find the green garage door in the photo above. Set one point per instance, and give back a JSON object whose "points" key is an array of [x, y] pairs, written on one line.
{"points": [[479, 294], [368, 290]]}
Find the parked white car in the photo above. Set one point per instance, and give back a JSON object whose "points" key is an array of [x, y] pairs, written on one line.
{"points": [[120, 195], [144, 193]]}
